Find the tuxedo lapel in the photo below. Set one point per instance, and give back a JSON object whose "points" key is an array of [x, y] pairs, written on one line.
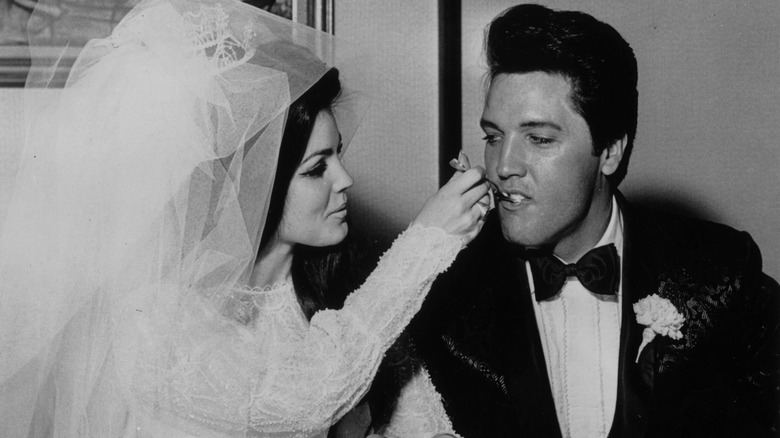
{"points": [[486, 360], [635, 380], [528, 382]]}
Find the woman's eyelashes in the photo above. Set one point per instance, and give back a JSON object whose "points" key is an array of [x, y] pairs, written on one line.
{"points": [[321, 165], [318, 169]]}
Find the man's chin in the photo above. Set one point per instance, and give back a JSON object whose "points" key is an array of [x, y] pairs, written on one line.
{"points": [[521, 236]]}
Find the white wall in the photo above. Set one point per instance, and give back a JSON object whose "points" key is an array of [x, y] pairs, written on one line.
{"points": [[11, 127], [709, 90], [393, 157]]}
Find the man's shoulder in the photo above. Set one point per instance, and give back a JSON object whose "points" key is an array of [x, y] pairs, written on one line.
{"points": [[688, 241], [676, 225], [679, 230]]}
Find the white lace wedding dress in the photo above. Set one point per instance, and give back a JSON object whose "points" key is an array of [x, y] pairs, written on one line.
{"points": [[141, 194], [261, 369], [419, 411]]}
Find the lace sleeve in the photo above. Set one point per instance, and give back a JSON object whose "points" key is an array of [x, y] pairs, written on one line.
{"points": [[419, 412], [233, 379]]}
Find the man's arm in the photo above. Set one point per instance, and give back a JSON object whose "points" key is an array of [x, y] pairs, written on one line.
{"points": [[756, 346]]}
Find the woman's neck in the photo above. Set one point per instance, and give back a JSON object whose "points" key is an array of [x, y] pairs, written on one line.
{"points": [[273, 265]]}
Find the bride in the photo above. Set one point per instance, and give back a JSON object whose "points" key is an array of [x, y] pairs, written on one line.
{"points": [[157, 276]]}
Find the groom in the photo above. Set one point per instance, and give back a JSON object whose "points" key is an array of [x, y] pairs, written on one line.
{"points": [[575, 312]]}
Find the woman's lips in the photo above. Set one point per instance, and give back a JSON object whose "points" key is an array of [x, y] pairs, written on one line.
{"points": [[342, 209]]}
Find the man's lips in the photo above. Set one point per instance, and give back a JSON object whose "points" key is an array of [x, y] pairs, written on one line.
{"points": [[514, 196]]}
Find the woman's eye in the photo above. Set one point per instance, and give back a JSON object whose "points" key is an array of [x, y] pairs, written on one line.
{"points": [[318, 170]]}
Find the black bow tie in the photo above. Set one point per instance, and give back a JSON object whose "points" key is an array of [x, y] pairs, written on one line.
{"points": [[598, 270]]}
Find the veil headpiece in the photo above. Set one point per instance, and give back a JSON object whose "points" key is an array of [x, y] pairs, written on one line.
{"points": [[144, 180]]}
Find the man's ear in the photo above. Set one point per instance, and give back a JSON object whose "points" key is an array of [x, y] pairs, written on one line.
{"points": [[612, 154]]}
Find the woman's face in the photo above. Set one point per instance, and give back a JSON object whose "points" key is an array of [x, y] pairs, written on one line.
{"points": [[315, 210]]}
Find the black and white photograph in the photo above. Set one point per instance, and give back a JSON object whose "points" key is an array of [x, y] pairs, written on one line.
{"points": [[389, 219]]}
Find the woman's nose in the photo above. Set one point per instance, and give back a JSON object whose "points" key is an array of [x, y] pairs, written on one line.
{"points": [[343, 178]]}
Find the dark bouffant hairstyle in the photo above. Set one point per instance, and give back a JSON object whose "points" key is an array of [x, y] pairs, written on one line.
{"points": [[598, 63], [321, 276], [297, 130]]}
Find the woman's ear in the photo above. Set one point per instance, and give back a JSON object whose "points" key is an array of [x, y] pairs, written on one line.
{"points": [[612, 154]]}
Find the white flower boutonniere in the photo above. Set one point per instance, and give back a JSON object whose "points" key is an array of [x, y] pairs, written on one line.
{"points": [[660, 317]]}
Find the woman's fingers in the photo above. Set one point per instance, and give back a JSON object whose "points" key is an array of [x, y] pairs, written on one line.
{"points": [[464, 159], [460, 206], [462, 182], [476, 194], [484, 205]]}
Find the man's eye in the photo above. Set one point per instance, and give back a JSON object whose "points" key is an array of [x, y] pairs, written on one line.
{"points": [[318, 170], [490, 139], [541, 141]]}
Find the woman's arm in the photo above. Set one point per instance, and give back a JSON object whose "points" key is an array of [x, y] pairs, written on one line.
{"points": [[332, 367], [224, 376]]}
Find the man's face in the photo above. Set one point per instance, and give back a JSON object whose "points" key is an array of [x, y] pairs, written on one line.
{"points": [[539, 150]]}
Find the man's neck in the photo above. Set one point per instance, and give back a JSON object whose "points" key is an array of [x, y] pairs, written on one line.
{"points": [[588, 232]]}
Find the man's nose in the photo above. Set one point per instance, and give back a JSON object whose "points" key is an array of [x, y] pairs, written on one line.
{"points": [[512, 159]]}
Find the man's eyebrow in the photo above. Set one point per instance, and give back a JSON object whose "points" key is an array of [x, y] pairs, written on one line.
{"points": [[487, 124], [529, 124], [541, 124]]}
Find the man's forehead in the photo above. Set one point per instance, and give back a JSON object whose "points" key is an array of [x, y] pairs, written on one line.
{"points": [[535, 95], [537, 81]]}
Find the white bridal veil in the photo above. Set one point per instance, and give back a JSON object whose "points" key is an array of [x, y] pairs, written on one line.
{"points": [[140, 199]]}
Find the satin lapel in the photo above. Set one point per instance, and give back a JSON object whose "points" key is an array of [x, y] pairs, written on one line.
{"points": [[529, 385], [635, 380]]}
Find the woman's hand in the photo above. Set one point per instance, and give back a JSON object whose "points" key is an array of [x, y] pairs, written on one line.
{"points": [[460, 206]]}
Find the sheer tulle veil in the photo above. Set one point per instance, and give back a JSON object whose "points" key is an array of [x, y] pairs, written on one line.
{"points": [[140, 198]]}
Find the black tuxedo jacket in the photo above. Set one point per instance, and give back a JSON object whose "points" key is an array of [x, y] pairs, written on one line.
{"points": [[477, 336]]}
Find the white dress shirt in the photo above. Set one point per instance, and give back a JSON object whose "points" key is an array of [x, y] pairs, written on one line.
{"points": [[580, 333]]}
